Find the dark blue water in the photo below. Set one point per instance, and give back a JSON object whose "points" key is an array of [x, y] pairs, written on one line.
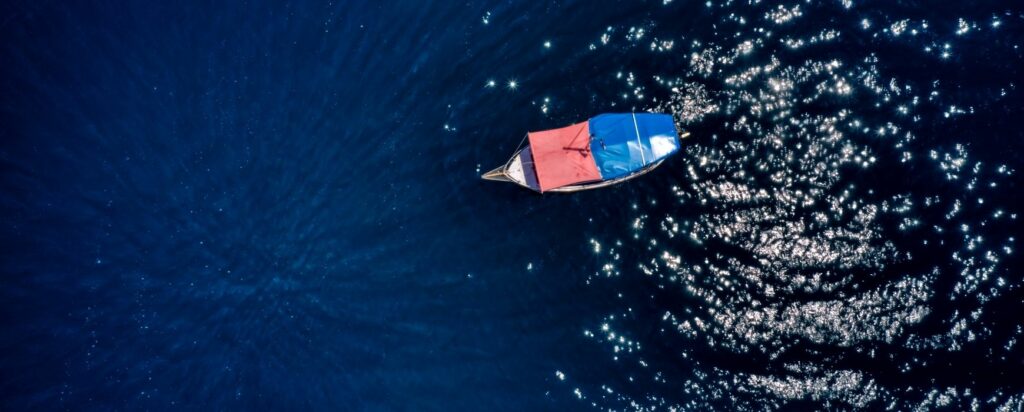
{"points": [[276, 205]]}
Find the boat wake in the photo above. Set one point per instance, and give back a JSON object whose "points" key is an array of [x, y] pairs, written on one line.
{"points": [[817, 251]]}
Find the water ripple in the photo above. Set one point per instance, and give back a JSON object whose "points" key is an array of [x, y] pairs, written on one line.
{"points": [[793, 237]]}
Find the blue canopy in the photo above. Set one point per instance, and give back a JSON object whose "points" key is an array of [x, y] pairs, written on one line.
{"points": [[623, 143]]}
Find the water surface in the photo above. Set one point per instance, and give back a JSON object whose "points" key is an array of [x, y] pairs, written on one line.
{"points": [[277, 206]]}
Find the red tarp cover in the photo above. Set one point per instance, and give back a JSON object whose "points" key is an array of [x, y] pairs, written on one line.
{"points": [[562, 157]]}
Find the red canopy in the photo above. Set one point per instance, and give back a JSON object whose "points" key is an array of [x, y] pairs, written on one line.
{"points": [[562, 157]]}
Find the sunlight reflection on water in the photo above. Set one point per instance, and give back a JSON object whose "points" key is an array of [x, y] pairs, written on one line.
{"points": [[786, 242]]}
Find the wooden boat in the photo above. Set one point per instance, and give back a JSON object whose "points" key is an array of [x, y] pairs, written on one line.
{"points": [[607, 149]]}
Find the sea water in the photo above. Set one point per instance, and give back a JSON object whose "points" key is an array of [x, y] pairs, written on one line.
{"points": [[271, 205]]}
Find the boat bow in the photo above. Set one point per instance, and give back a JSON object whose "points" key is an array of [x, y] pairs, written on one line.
{"points": [[497, 175]]}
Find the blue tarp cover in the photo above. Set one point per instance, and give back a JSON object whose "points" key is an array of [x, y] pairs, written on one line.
{"points": [[623, 143]]}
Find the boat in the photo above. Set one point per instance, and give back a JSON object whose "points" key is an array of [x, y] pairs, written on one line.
{"points": [[605, 150]]}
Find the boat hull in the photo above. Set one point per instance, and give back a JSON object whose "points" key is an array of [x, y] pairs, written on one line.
{"points": [[606, 183], [520, 170], [517, 171]]}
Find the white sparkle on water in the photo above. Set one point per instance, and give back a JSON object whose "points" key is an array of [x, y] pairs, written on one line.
{"points": [[783, 190]]}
